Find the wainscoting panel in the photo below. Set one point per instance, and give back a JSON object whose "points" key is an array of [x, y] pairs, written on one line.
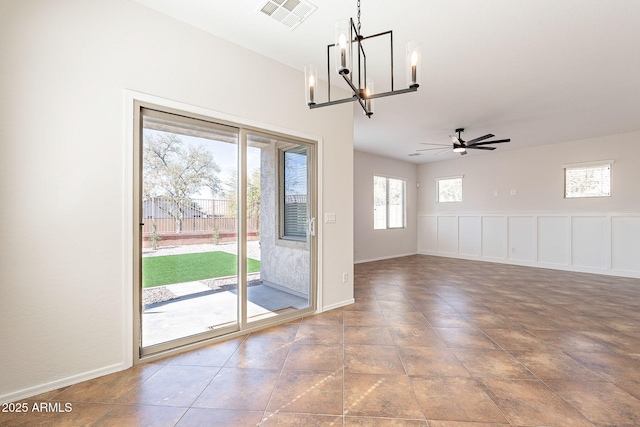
{"points": [[470, 235], [589, 238], [494, 237], [448, 235], [603, 243], [522, 238], [625, 241], [554, 243]]}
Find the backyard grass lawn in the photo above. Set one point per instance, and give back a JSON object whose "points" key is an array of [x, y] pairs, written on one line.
{"points": [[165, 270]]}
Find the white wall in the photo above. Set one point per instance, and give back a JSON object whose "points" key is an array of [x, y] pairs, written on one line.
{"points": [[373, 244], [537, 226], [64, 315]]}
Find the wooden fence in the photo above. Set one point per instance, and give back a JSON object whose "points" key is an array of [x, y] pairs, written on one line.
{"points": [[203, 221]]}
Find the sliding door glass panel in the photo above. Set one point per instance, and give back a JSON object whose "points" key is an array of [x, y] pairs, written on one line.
{"points": [[279, 202], [189, 251]]}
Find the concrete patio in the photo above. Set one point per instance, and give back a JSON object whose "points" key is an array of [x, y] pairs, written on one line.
{"points": [[200, 309]]}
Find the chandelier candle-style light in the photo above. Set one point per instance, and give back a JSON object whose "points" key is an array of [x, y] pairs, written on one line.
{"points": [[348, 39]]}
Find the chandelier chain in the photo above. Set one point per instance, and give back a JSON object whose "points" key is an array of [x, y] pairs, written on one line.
{"points": [[358, 16]]}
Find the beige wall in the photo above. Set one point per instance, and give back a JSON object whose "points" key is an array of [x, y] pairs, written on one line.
{"points": [[65, 284], [373, 244], [537, 226], [537, 176]]}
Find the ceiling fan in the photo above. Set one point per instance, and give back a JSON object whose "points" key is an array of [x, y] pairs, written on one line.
{"points": [[461, 146]]}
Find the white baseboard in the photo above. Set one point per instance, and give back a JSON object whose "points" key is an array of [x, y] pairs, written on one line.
{"points": [[383, 258], [63, 382], [561, 267]]}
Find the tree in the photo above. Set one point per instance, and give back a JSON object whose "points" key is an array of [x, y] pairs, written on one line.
{"points": [[231, 194], [175, 173], [253, 193]]}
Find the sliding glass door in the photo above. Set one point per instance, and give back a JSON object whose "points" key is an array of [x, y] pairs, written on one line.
{"points": [[189, 251], [225, 226], [279, 196]]}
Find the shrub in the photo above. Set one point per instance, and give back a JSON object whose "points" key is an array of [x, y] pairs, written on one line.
{"points": [[215, 236], [154, 237]]}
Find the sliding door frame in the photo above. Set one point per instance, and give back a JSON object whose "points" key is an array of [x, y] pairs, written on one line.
{"points": [[312, 186], [135, 104]]}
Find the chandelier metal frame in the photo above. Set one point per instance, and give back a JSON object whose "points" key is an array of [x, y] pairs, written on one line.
{"points": [[361, 86]]}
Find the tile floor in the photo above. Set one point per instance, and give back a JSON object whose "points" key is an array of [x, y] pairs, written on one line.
{"points": [[429, 342]]}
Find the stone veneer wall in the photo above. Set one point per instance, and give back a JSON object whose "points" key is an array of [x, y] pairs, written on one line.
{"points": [[284, 263]]}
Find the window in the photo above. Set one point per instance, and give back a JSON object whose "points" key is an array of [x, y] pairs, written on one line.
{"points": [[587, 179], [293, 203], [388, 203], [449, 189]]}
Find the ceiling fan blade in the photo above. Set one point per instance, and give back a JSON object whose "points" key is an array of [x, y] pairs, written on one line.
{"points": [[444, 150], [441, 145], [500, 141], [427, 149], [482, 138], [473, 147], [463, 153], [455, 139]]}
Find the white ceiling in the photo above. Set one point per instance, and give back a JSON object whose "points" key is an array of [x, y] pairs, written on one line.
{"points": [[535, 71]]}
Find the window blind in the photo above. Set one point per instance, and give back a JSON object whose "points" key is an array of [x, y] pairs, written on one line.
{"points": [[295, 193]]}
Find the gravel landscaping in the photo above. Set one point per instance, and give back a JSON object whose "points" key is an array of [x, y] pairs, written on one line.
{"points": [[228, 283], [157, 294]]}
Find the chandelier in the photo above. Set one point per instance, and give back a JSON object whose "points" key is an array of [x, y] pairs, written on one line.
{"points": [[347, 40]]}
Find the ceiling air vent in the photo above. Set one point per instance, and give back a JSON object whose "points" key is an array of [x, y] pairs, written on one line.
{"points": [[289, 13]]}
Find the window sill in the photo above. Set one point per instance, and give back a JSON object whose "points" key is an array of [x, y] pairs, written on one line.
{"points": [[292, 244]]}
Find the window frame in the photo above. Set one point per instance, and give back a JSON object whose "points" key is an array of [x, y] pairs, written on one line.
{"points": [[586, 165], [447, 178], [387, 205], [282, 236]]}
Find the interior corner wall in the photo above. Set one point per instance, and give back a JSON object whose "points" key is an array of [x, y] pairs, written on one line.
{"points": [[64, 71], [370, 244], [514, 211]]}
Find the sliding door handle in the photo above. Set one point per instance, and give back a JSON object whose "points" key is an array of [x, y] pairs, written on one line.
{"points": [[312, 227]]}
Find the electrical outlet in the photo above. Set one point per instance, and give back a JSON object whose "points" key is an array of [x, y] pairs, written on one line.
{"points": [[345, 277]]}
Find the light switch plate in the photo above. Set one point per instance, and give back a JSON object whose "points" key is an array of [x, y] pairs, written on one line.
{"points": [[329, 218]]}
